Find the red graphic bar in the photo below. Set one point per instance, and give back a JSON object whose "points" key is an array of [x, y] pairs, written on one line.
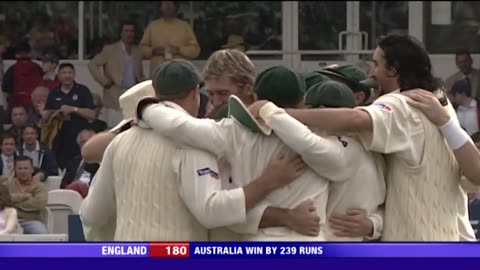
{"points": [[170, 250]]}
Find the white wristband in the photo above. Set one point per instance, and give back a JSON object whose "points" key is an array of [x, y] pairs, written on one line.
{"points": [[456, 137]]}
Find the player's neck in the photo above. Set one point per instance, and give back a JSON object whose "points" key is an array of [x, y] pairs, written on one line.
{"points": [[390, 87]]}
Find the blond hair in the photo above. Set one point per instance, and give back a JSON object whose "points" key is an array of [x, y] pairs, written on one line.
{"points": [[232, 63]]}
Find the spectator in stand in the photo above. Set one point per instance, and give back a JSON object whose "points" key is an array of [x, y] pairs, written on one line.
{"points": [[49, 66], [464, 63], [468, 110], [2, 50], [79, 174], [98, 125], [75, 101], [29, 197], [42, 157], [8, 154], [39, 100], [21, 78], [168, 38], [4, 43], [8, 215], [117, 68], [19, 118]]}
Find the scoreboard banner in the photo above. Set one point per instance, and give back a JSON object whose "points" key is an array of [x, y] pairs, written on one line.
{"points": [[240, 250]]}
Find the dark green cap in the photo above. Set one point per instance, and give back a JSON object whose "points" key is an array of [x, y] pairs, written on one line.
{"points": [[330, 94], [312, 78], [280, 85], [175, 77], [240, 112], [371, 83], [352, 75]]}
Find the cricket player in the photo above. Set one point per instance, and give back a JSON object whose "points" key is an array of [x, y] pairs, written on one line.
{"points": [[466, 152], [423, 191], [132, 186], [228, 72], [247, 152], [355, 205]]}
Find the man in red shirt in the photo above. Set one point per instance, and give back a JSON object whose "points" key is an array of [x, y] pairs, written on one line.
{"points": [[49, 66], [22, 77]]}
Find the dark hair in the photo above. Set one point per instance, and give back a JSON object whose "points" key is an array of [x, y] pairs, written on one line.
{"points": [[5, 199], [5, 136], [462, 52], [22, 47], [175, 3], [64, 65], [476, 137], [32, 126], [17, 106], [461, 87], [407, 57], [127, 22], [23, 158]]}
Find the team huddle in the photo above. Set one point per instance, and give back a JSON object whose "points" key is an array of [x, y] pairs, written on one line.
{"points": [[287, 159]]}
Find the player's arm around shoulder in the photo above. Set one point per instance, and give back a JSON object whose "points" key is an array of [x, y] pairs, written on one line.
{"points": [[205, 134], [325, 155]]}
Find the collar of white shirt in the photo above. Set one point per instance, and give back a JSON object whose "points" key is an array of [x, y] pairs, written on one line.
{"points": [[124, 48], [472, 105], [37, 146], [51, 77], [5, 158]]}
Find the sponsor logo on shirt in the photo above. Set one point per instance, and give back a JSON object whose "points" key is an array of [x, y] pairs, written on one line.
{"points": [[383, 107], [208, 171]]}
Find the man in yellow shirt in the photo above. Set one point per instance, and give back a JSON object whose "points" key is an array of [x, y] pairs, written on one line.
{"points": [[168, 38]]}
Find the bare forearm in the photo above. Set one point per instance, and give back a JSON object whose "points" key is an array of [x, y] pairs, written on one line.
{"points": [[274, 217], [334, 120], [468, 157]]}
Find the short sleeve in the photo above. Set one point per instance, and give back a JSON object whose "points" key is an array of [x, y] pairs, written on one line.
{"points": [[396, 128], [88, 100], [50, 101]]}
